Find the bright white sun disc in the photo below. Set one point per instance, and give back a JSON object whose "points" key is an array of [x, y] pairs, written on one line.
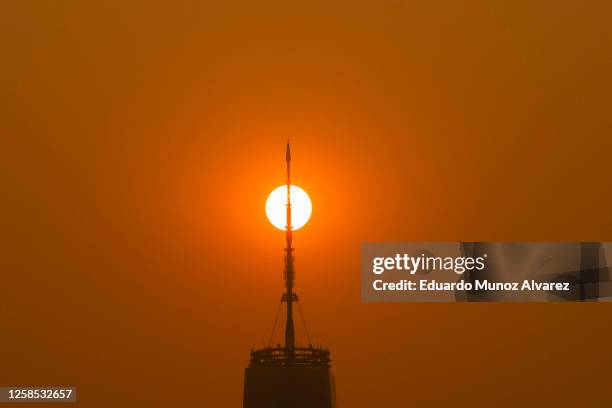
{"points": [[276, 207]]}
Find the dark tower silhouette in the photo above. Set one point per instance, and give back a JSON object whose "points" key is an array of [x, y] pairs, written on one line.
{"points": [[289, 376]]}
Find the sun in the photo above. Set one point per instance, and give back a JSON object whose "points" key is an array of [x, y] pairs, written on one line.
{"points": [[276, 207]]}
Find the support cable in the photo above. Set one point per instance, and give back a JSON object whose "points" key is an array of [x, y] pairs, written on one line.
{"points": [[304, 322], [275, 323]]}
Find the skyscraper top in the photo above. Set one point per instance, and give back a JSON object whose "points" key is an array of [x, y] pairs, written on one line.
{"points": [[290, 354]]}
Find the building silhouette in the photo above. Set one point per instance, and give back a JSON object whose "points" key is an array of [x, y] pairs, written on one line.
{"points": [[287, 376]]}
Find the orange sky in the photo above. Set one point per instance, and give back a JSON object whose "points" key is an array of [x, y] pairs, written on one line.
{"points": [[140, 140]]}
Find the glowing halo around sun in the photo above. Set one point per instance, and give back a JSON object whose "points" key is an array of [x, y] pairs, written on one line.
{"points": [[276, 207]]}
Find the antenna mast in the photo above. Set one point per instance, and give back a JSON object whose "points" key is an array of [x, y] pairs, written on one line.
{"points": [[289, 296]]}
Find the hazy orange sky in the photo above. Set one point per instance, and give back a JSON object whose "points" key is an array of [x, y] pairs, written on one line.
{"points": [[139, 140]]}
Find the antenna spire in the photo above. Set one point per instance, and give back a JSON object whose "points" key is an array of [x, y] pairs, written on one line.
{"points": [[289, 296]]}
